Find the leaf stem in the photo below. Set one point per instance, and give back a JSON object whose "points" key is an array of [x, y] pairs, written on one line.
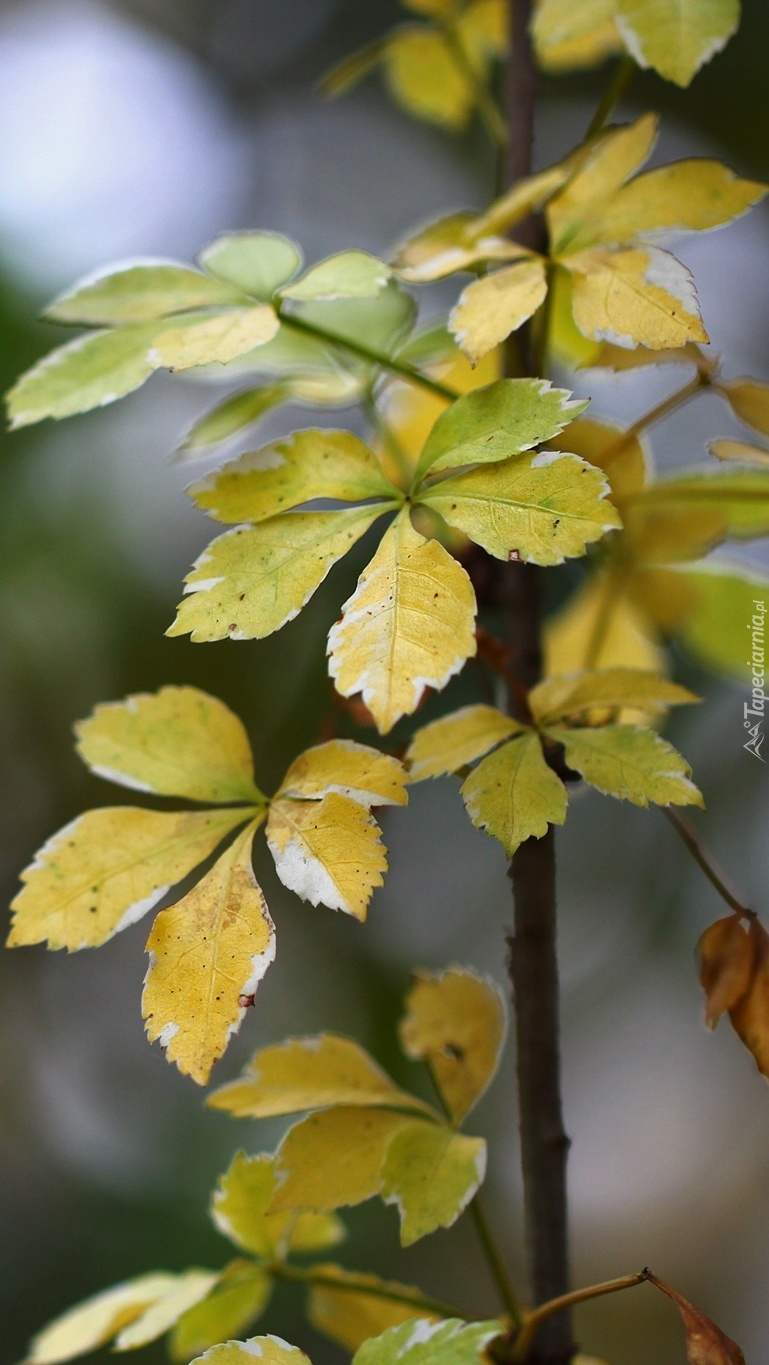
{"points": [[647, 419], [484, 101], [705, 860], [361, 1284], [388, 438], [623, 75], [495, 1262], [611, 587], [523, 1342]]}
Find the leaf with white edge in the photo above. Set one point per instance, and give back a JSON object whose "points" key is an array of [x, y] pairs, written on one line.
{"points": [[450, 245], [94, 1322], [348, 275], [496, 305], [455, 1021], [631, 763], [749, 400], [568, 35], [543, 508], [190, 1288], [424, 77], [634, 296], [213, 339], [253, 580], [451, 1342], [239, 1207], [676, 37], [256, 262], [624, 459], [346, 1312], [269, 1350], [208, 954], [495, 422], [355, 770], [138, 291], [318, 1072], [514, 795], [740, 497], [431, 1174], [409, 625], [236, 1301], [303, 466], [738, 452], [175, 742], [610, 161], [571, 695], [87, 373], [334, 1158], [619, 360], [446, 745], [108, 868], [233, 415], [685, 196], [328, 852]]}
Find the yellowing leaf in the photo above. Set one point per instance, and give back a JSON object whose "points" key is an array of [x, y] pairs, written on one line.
{"points": [[424, 77], [328, 851], [559, 697], [600, 443], [138, 292], [496, 305], [610, 161], [659, 530], [727, 959], [89, 372], [446, 745], [706, 1344], [629, 639], [750, 1014], [455, 1021], [739, 496], [616, 358], [686, 196], [634, 297], [175, 742], [253, 580], [568, 35], [344, 1311], [631, 763], [738, 451], [513, 794], [94, 1322], [349, 769], [239, 1206], [451, 1342], [335, 1157], [749, 399], [237, 1300], [189, 1288], [306, 465], [483, 28], [348, 275], [208, 954], [721, 600], [544, 508], [310, 1073], [449, 245], [676, 37], [522, 199], [269, 1350], [409, 625], [256, 262], [215, 339], [106, 869], [431, 1174]]}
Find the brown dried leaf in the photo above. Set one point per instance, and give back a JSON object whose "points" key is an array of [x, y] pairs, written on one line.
{"points": [[750, 1016], [727, 957], [706, 1344]]}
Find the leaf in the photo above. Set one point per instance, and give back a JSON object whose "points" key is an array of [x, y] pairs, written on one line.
{"points": [[190, 1287], [319, 1072], [615, 358], [335, 1157], [739, 451], [727, 958], [451, 1342], [349, 769], [483, 27], [524, 197], [253, 580], [94, 1322], [408, 626], [351, 1316], [572, 695], [631, 763], [450, 245], [455, 1021], [208, 954], [611, 160], [721, 600], [706, 1344], [328, 852], [448, 744], [303, 466], [239, 1298], [496, 305], [629, 639], [269, 1349], [497, 421], [634, 296], [90, 372], [513, 794], [137, 292], [424, 77], [687, 196], [239, 1206], [749, 400], [623, 460], [750, 1015], [676, 37], [431, 1174], [568, 35], [377, 323], [256, 262], [175, 742], [544, 508], [345, 74], [228, 418], [347, 275], [108, 867], [215, 339], [739, 496]]}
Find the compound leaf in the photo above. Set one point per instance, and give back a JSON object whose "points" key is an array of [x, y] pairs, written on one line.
{"points": [[90, 372], [256, 262], [431, 1174], [350, 1315], [448, 744], [328, 851], [215, 339], [335, 1157], [514, 795], [572, 695], [496, 305], [348, 275], [94, 1322], [137, 292], [451, 1342], [455, 1021], [349, 769], [497, 421], [631, 763], [634, 296], [676, 37], [189, 1288]]}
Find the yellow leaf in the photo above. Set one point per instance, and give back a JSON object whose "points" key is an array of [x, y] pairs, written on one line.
{"points": [[349, 769], [335, 1157], [306, 465], [559, 697], [686, 196], [567, 343], [740, 497], [631, 763], [544, 508], [446, 745], [496, 305], [175, 742], [523, 198], [106, 869], [237, 1300], [450, 1342], [455, 1021], [408, 626], [208, 954], [568, 35], [215, 339], [316, 1232], [629, 640], [94, 1322], [319, 1072], [253, 580], [739, 452], [634, 296], [727, 955], [431, 1174], [623, 461], [451, 244], [190, 1287], [749, 400], [435, 9], [328, 852], [659, 530], [270, 1351], [346, 1313], [424, 77], [483, 27], [611, 160], [239, 1206], [616, 358], [718, 601], [514, 795], [676, 37]]}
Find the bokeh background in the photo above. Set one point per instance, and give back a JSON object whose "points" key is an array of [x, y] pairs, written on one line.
{"points": [[143, 128]]}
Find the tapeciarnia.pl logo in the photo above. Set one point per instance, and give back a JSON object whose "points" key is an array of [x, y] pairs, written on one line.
{"points": [[755, 707]]}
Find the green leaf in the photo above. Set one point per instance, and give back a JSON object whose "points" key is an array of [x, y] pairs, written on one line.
{"points": [[497, 421], [739, 496], [676, 37], [90, 372], [334, 1157], [175, 742], [256, 262], [513, 794], [137, 292], [573, 694], [340, 765], [92, 1323], [189, 1288], [348, 275], [253, 580], [431, 1174], [631, 763], [214, 338], [723, 600], [448, 744], [378, 324], [455, 1021], [233, 415], [237, 1300], [452, 1342]]}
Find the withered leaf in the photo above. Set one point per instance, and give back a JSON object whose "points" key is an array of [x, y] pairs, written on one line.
{"points": [[706, 1344], [727, 957], [750, 1016]]}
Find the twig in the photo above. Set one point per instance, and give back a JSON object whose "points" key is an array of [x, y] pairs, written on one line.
{"points": [[360, 1284], [704, 859], [523, 1342]]}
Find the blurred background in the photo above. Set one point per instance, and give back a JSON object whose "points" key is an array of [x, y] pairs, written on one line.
{"points": [[144, 128]]}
